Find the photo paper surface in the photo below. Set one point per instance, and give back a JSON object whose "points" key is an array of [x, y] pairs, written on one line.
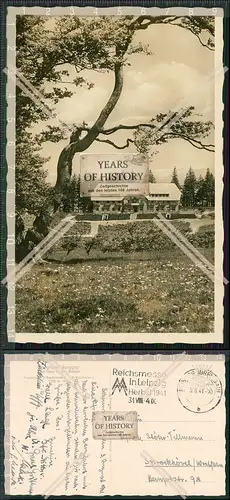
{"points": [[115, 175]]}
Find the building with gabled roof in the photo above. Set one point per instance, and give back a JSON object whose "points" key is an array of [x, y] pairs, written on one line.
{"points": [[161, 196], [165, 191]]}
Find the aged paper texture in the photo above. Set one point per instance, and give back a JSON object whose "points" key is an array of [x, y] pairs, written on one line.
{"points": [[115, 425], [114, 199]]}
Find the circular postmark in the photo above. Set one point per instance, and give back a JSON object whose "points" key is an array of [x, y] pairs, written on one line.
{"points": [[199, 390]]}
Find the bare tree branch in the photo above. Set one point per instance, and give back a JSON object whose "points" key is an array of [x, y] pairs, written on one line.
{"points": [[126, 127], [139, 24], [64, 167], [115, 145], [139, 125], [196, 34], [194, 142], [79, 144]]}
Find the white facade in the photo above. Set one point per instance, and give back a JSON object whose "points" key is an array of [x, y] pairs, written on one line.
{"points": [[163, 191], [161, 195]]}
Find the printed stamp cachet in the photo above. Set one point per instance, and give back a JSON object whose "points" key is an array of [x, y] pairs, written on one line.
{"points": [[199, 390], [117, 175], [115, 425]]}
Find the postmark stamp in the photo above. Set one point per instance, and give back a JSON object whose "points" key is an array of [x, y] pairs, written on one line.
{"points": [[115, 425], [199, 390]]}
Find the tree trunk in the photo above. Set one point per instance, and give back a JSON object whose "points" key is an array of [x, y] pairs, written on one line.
{"points": [[78, 145], [64, 166]]}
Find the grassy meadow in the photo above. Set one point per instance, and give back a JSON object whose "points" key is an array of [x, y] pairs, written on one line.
{"points": [[146, 291]]}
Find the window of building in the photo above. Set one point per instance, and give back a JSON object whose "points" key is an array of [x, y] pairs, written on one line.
{"points": [[106, 206], [159, 195]]}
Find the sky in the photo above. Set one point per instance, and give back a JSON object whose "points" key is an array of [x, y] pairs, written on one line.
{"points": [[177, 74]]}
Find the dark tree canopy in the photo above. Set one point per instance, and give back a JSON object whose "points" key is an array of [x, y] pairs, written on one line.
{"points": [[188, 197], [199, 192], [175, 179], [152, 178]]}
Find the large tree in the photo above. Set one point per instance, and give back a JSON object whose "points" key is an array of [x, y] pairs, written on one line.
{"points": [[49, 50], [152, 178], [200, 192], [175, 179], [209, 189], [188, 198]]}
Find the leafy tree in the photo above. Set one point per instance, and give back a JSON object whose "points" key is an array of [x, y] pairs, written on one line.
{"points": [[205, 190], [32, 189], [200, 190], [71, 195], [175, 179], [31, 38], [31, 186], [188, 198], [151, 177], [48, 51], [101, 44]]}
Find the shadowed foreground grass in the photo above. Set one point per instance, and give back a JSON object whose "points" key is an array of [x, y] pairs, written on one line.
{"points": [[145, 292]]}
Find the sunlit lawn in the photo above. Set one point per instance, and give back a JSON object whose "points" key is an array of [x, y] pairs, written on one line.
{"points": [[145, 292]]}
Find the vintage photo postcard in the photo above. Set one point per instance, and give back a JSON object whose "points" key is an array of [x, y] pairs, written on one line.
{"points": [[115, 175], [115, 425]]}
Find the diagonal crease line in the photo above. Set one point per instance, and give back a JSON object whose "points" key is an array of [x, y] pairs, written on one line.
{"points": [[167, 121], [171, 369], [17, 76], [173, 366], [164, 474], [44, 107], [60, 478], [174, 117], [187, 252], [46, 243], [189, 245], [73, 382], [38, 247], [42, 99], [49, 245], [187, 242], [181, 237], [35, 95], [34, 90], [45, 240]]}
